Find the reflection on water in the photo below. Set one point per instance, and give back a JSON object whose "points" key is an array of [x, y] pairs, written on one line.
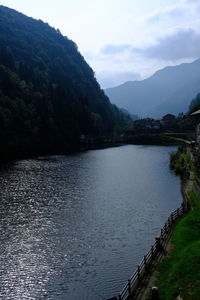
{"points": [[75, 227]]}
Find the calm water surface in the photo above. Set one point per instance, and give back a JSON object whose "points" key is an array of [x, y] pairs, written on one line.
{"points": [[75, 227]]}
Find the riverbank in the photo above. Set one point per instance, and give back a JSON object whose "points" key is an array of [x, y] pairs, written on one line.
{"points": [[162, 139], [95, 144], [178, 275]]}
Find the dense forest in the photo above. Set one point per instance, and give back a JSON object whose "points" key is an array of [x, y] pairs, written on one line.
{"points": [[49, 96], [195, 104]]}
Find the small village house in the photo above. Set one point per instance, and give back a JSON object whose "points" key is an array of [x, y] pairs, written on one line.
{"points": [[196, 114]]}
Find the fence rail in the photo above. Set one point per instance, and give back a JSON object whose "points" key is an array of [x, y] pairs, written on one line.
{"points": [[136, 281]]}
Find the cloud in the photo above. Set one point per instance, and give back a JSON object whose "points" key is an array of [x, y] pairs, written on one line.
{"points": [[165, 36], [192, 1], [114, 64], [109, 78], [171, 13], [115, 49], [183, 44], [122, 50]]}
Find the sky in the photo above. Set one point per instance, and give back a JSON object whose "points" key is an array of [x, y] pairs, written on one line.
{"points": [[123, 40]]}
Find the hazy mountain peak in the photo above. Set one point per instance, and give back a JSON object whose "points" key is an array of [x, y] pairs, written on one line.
{"points": [[168, 90]]}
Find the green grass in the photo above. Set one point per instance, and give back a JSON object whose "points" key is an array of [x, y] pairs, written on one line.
{"points": [[180, 272], [180, 162], [177, 140], [171, 140]]}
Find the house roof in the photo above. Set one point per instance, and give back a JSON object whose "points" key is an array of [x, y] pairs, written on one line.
{"points": [[196, 113]]}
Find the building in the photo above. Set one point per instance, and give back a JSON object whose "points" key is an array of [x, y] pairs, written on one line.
{"points": [[196, 114]]}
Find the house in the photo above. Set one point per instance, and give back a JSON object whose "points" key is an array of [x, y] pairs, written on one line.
{"points": [[196, 114], [147, 124], [168, 121]]}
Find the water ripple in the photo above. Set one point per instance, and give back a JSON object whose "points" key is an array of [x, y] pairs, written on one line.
{"points": [[75, 227]]}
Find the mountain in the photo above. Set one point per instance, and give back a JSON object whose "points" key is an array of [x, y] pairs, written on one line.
{"points": [[169, 90], [49, 96]]}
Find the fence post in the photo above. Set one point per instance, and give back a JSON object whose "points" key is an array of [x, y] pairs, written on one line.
{"points": [[155, 293], [155, 249], [165, 228], [138, 272], [151, 251], [172, 218], [145, 262], [159, 247], [129, 287]]}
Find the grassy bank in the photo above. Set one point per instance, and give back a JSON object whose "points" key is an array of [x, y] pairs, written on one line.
{"points": [[179, 273], [155, 139]]}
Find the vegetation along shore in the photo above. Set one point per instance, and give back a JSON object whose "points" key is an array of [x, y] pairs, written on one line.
{"points": [[178, 274]]}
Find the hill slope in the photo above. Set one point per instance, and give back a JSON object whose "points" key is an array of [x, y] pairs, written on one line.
{"points": [[169, 90], [48, 93]]}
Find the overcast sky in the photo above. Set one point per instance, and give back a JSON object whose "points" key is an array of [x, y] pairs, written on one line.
{"points": [[123, 39]]}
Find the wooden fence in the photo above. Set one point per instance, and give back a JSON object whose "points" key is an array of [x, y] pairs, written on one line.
{"points": [[136, 282]]}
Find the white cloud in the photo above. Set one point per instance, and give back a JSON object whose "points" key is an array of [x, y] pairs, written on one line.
{"points": [[168, 35], [182, 44], [115, 49]]}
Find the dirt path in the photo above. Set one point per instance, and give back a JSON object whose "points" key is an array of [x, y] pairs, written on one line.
{"points": [[153, 277]]}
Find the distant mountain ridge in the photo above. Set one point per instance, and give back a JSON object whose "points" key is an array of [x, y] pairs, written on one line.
{"points": [[169, 90]]}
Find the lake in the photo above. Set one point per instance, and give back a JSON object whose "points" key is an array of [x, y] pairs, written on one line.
{"points": [[75, 227]]}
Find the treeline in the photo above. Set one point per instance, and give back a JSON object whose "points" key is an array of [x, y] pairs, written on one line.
{"points": [[49, 96], [195, 104], [170, 122], [169, 130]]}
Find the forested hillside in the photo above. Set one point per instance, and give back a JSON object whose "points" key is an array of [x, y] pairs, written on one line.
{"points": [[48, 93], [195, 104]]}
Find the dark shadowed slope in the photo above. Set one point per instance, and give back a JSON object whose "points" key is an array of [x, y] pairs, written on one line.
{"points": [[48, 93], [169, 90]]}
